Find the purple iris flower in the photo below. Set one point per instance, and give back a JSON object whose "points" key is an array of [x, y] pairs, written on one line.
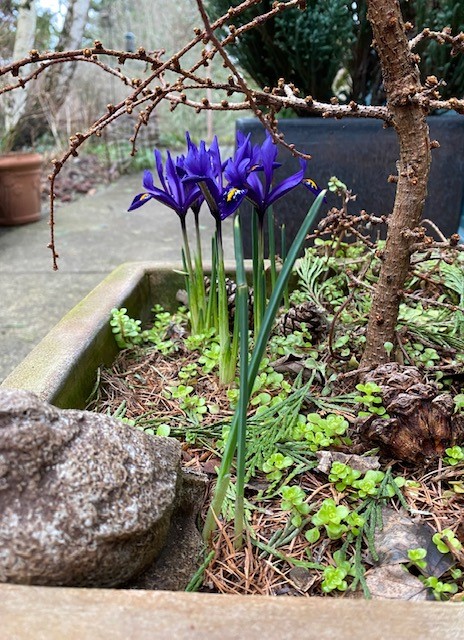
{"points": [[204, 167], [243, 172], [174, 193], [312, 186], [246, 159]]}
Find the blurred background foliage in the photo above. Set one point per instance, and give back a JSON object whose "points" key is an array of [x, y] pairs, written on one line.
{"points": [[331, 42], [322, 50]]}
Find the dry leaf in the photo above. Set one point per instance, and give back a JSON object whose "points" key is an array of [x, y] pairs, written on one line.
{"points": [[401, 533], [358, 463], [302, 578], [394, 582]]}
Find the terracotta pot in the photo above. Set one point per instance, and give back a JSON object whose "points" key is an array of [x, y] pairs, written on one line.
{"points": [[20, 188]]}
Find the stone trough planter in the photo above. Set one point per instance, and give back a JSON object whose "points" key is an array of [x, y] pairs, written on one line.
{"points": [[62, 370]]}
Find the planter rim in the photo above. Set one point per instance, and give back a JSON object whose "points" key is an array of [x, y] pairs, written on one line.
{"points": [[97, 614], [448, 116], [47, 367]]}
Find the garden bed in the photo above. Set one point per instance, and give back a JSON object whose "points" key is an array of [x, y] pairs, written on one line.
{"points": [[346, 487]]}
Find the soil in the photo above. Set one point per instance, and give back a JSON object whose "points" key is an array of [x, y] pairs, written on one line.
{"points": [[79, 176]]}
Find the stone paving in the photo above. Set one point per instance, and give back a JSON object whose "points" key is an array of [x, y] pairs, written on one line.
{"points": [[94, 234]]}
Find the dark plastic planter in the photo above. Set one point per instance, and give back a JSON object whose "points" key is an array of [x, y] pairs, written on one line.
{"points": [[363, 154]]}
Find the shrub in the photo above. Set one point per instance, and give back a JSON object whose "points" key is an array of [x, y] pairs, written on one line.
{"points": [[309, 48]]}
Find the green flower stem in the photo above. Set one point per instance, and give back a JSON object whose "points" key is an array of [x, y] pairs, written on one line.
{"points": [[260, 292], [212, 309], [200, 277], [257, 238], [191, 287], [260, 346], [227, 364], [242, 323], [283, 255], [254, 255], [272, 245], [198, 236]]}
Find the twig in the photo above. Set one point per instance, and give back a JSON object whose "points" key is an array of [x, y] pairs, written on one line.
{"points": [[434, 228], [340, 309], [441, 37]]}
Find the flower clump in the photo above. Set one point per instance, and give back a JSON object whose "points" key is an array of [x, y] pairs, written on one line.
{"points": [[199, 176]]}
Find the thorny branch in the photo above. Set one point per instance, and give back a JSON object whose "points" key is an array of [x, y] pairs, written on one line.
{"points": [[147, 93]]}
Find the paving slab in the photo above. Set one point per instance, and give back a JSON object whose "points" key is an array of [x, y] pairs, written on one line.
{"points": [[94, 235]]}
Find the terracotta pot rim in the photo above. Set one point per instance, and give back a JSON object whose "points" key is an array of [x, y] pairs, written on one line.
{"points": [[20, 158]]}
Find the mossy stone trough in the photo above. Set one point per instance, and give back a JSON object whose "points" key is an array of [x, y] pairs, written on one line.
{"points": [[62, 370]]}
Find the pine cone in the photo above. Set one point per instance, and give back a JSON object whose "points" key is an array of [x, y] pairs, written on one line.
{"points": [[307, 313], [231, 290], [422, 421]]}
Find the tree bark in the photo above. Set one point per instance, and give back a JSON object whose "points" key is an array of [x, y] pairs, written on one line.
{"points": [[401, 81], [49, 96], [14, 103]]}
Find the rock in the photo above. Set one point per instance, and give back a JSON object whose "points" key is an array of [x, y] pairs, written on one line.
{"points": [[85, 500], [182, 554]]}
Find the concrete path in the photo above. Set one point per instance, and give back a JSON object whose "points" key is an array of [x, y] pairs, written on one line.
{"points": [[93, 236]]}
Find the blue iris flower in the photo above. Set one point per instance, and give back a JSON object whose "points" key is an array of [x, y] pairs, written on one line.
{"points": [[244, 170], [174, 193], [312, 186], [204, 167]]}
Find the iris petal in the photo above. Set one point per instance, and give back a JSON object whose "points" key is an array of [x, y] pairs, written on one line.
{"points": [[147, 181], [256, 191], [287, 184], [268, 156], [140, 200], [174, 185], [159, 168], [312, 186], [232, 199]]}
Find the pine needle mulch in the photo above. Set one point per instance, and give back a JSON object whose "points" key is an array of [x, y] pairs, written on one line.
{"points": [[269, 562]]}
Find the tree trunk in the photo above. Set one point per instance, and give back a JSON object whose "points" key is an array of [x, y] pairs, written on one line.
{"points": [[49, 96], [14, 103], [401, 80], [59, 79]]}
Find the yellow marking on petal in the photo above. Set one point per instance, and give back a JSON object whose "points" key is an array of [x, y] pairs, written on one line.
{"points": [[231, 194], [311, 182], [144, 196]]}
